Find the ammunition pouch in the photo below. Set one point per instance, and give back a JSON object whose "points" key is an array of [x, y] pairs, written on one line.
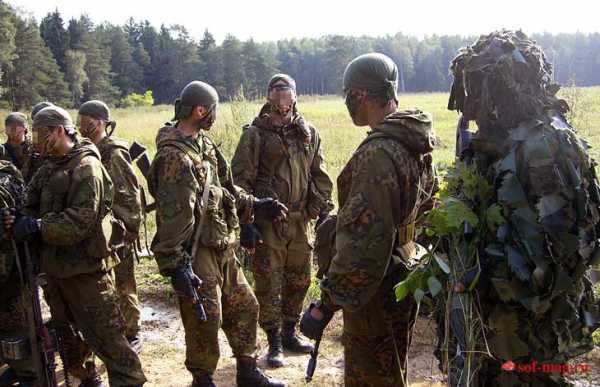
{"points": [[15, 348]]}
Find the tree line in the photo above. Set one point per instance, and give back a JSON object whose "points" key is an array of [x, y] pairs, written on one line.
{"points": [[71, 62]]}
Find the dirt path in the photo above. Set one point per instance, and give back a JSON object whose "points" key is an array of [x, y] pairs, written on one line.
{"points": [[163, 354]]}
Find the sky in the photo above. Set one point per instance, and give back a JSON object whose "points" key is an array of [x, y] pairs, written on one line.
{"points": [[271, 20]]}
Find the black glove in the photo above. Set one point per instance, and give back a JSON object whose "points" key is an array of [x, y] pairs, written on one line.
{"points": [[250, 236], [311, 327], [24, 228], [322, 217], [270, 209], [185, 281]]}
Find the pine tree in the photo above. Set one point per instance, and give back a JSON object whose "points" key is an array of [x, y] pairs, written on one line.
{"points": [[233, 68], [7, 38], [34, 74], [56, 36]]}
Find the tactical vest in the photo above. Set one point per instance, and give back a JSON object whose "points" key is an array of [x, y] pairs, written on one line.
{"points": [[406, 252], [93, 253], [278, 149], [216, 220]]}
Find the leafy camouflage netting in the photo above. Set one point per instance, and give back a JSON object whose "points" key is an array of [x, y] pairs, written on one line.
{"points": [[504, 77]]}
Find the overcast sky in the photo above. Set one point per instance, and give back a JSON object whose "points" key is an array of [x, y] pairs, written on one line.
{"points": [[268, 20]]}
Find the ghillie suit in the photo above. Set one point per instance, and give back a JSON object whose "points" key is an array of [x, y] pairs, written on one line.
{"points": [[521, 288]]}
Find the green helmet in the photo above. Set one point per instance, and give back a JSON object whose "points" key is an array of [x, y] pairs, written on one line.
{"points": [[194, 94], [376, 73], [16, 118], [54, 116], [39, 106], [95, 109]]}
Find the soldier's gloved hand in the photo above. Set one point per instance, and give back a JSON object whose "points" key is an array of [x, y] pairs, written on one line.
{"points": [[270, 209], [25, 227], [250, 237], [185, 282], [315, 319]]}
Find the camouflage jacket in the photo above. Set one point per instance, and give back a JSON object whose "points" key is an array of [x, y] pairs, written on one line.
{"points": [[72, 194], [11, 196], [380, 191], [284, 163], [540, 302], [127, 205], [24, 157], [190, 177]]}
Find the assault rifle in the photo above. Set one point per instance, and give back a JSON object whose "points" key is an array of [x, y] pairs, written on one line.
{"points": [[42, 343]]}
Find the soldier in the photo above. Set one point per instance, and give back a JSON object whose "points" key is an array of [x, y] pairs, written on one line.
{"points": [[279, 155], [18, 149], [94, 119], [13, 318], [67, 208], [381, 190], [534, 289], [196, 237]]}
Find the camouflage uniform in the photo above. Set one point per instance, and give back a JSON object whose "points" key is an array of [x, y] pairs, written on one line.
{"points": [[178, 182], [127, 208], [72, 195], [535, 294], [381, 190], [284, 164], [23, 156], [13, 315]]}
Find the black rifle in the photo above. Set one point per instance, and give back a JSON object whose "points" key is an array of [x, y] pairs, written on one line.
{"points": [[312, 362], [139, 155], [43, 346]]}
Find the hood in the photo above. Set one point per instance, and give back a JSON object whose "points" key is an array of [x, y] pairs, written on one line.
{"points": [[82, 147], [410, 127], [169, 133], [298, 124]]}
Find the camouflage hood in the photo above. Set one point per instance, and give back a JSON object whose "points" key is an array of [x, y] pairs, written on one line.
{"points": [[410, 127], [299, 124], [169, 133]]}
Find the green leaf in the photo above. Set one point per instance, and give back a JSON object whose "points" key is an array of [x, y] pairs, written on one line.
{"points": [[419, 295], [493, 217], [401, 290], [435, 286]]}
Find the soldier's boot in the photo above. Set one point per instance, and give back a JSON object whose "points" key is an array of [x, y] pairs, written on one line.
{"points": [[292, 342], [275, 354], [205, 380], [249, 375], [94, 381]]}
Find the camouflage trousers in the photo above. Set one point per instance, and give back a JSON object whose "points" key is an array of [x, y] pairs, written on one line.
{"points": [[281, 268], [229, 304], [376, 341], [13, 323], [127, 290], [85, 312]]}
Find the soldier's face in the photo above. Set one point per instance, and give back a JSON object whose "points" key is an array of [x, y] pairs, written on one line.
{"points": [[282, 102], [16, 134], [355, 101], [87, 126], [206, 117], [39, 138]]}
